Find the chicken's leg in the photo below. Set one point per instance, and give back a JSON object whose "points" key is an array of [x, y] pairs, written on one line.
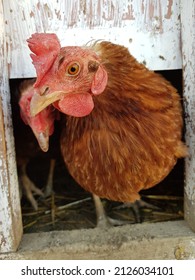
{"points": [[49, 186], [136, 207], [103, 221], [29, 187]]}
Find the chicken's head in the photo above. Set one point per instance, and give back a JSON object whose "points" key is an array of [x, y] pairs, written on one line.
{"points": [[70, 80], [42, 124]]}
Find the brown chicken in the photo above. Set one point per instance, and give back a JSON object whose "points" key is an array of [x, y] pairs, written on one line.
{"points": [[123, 129], [42, 126]]}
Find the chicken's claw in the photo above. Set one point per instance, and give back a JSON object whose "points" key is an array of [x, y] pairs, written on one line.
{"points": [[136, 207]]}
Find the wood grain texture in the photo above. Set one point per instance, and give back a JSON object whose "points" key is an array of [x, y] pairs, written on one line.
{"points": [[188, 55], [149, 28], [10, 213]]}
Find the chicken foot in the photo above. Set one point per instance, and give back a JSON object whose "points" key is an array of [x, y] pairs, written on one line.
{"points": [[29, 187], [136, 207], [103, 221]]}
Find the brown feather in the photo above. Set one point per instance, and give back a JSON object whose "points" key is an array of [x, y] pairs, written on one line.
{"points": [[132, 138]]}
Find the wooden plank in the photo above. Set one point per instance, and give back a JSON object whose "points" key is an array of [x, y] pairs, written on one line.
{"points": [[188, 55], [159, 241], [149, 28], [10, 212]]}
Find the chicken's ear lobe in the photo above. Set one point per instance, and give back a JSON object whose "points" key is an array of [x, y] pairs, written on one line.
{"points": [[99, 81], [45, 48]]}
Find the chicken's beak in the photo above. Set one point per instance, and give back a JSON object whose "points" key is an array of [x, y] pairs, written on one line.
{"points": [[43, 140], [40, 102]]}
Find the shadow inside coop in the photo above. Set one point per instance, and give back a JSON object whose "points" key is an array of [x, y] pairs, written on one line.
{"points": [[69, 206]]}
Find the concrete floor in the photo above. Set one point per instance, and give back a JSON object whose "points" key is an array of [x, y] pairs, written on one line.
{"points": [[166, 240]]}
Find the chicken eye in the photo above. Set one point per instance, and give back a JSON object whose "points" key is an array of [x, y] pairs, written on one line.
{"points": [[73, 69]]}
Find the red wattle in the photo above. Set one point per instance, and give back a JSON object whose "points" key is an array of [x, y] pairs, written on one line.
{"points": [[76, 105]]}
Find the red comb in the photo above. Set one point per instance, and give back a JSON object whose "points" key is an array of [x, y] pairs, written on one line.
{"points": [[45, 47]]}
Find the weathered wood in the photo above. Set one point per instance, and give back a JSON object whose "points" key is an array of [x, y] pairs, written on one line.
{"points": [[188, 55], [10, 212], [150, 29], [168, 240]]}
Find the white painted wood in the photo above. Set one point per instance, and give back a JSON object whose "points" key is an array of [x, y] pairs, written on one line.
{"points": [[188, 55], [10, 212], [149, 28]]}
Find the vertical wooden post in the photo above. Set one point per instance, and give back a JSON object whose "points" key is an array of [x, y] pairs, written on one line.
{"points": [[188, 55], [10, 212]]}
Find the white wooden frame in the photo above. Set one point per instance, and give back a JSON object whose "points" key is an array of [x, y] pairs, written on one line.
{"points": [[188, 56], [141, 25], [10, 212]]}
